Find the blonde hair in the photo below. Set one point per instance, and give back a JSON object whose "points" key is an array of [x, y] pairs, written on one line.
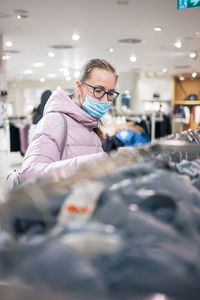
{"points": [[85, 74]]}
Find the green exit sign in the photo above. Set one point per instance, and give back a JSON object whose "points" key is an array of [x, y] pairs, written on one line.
{"points": [[182, 4]]}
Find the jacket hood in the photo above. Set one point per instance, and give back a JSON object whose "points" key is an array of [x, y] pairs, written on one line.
{"points": [[61, 102]]}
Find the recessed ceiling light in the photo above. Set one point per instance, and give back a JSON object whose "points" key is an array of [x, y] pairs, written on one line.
{"points": [[157, 28], [193, 55], [51, 54], [130, 41], [181, 78], [68, 78], [75, 37], [12, 51], [77, 74], [164, 70], [8, 44], [194, 74], [38, 64], [110, 50], [178, 44], [42, 79], [182, 67], [21, 11], [5, 57], [27, 72], [61, 47], [122, 2], [20, 17], [133, 58], [52, 75]]}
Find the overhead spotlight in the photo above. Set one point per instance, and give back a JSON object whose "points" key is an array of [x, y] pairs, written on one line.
{"points": [[20, 17], [6, 57], [52, 75], [122, 2], [164, 70], [8, 44], [75, 37], [38, 64], [193, 55], [178, 44], [110, 50], [133, 58], [27, 72], [181, 78], [42, 79], [51, 54], [157, 28], [194, 74]]}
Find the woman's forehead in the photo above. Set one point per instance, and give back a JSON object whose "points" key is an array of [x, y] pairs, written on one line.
{"points": [[103, 78]]}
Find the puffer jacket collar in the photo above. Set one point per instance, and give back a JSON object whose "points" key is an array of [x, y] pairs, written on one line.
{"points": [[61, 102]]}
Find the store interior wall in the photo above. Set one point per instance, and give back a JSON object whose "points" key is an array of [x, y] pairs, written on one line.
{"points": [[26, 93]]}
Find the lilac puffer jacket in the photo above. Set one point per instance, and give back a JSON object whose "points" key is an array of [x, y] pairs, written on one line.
{"points": [[82, 145]]}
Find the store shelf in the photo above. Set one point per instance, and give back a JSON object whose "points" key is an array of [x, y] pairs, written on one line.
{"points": [[157, 100], [187, 102]]}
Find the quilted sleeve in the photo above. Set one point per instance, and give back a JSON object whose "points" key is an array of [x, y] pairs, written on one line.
{"points": [[43, 154]]}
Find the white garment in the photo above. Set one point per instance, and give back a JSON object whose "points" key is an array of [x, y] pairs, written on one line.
{"points": [[186, 120], [197, 114]]}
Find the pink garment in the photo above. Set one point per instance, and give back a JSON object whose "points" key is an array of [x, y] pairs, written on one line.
{"points": [[81, 146]]}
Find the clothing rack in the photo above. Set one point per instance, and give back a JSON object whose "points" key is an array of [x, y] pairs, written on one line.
{"points": [[140, 198]]}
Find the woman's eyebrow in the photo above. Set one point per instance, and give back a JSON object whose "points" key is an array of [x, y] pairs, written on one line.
{"points": [[98, 85]]}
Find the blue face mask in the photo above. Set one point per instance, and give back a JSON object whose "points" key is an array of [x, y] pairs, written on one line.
{"points": [[94, 107]]}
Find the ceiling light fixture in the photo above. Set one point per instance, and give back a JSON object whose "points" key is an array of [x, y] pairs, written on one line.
{"points": [[178, 44], [20, 17], [133, 58], [5, 57], [42, 79], [52, 75], [8, 44], [181, 78], [193, 55], [110, 50], [194, 74], [157, 28], [51, 54], [122, 2], [164, 70], [27, 72], [75, 37], [38, 64]]}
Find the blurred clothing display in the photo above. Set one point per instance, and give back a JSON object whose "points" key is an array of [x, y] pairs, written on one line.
{"points": [[38, 112]]}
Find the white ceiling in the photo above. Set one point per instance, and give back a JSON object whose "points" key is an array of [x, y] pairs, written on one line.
{"points": [[100, 25]]}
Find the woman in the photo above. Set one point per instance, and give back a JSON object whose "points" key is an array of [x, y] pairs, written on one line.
{"points": [[68, 136]]}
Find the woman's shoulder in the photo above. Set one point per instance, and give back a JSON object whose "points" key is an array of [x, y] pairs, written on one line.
{"points": [[51, 122]]}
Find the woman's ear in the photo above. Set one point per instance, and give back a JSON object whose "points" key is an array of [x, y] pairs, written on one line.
{"points": [[80, 91], [79, 87]]}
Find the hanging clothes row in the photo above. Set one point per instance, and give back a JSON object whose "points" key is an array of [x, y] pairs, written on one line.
{"points": [[19, 128], [123, 227]]}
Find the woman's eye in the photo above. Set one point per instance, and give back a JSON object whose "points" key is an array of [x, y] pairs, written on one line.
{"points": [[99, 91]]}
